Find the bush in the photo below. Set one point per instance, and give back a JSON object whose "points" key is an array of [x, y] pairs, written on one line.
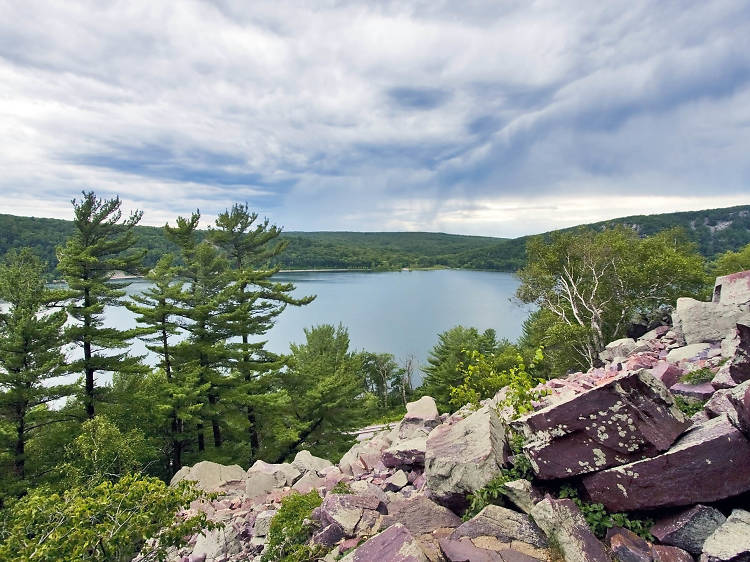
{"points": [[111, 521], [699, 376], [289, 531], [688, 406]]}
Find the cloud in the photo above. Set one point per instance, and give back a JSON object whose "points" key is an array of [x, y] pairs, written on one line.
{"points": [[477, 117]]}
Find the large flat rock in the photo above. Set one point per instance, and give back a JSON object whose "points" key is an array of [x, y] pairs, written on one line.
{"points": [[706, 464], [707, 321], [395, 544], [631, 417]]}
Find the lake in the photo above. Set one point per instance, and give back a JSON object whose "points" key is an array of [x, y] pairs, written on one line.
{"points": [[395, 312]]}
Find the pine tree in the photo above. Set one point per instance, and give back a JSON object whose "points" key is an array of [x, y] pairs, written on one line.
{"points": [[30, 351], [100, 245], [256, 301]]}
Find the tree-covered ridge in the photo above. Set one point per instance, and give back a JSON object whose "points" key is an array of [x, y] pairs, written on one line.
{"points": [[715, 231]]}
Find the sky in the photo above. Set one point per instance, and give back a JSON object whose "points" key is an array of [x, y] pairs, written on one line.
{"points": [[492, 118]]}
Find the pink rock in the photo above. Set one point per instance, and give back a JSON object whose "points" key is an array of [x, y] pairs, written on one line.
{"points": [[395, 544], [641, 361], [663, 553], [688, 529], [465, 551], [626, 545], [704, 465], [420, 515], [667, 372], [696, 391]]}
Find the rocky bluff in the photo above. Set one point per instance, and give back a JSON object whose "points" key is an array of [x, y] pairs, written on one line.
{"points": [[615, 432]]}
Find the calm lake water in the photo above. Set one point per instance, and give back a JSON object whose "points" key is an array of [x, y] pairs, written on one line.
{"points": [[395, 312]]}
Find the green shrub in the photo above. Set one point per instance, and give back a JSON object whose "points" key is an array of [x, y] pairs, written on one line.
{"points": [[688, 406], [289, 532], [599, 519], [699, 376], [110, 521], [341, 488]]}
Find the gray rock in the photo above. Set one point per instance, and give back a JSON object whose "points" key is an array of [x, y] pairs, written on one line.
{"points": [[283, 474], [687, 352], [504, 524], [348, 510], [731, 541], [396, 481], [259, 484], [305, 461], [363, 457], [216, 544], [365, 488], [210, 476], [707, 321], [310, 481], [688, 529], [563, 523], [618, 348], [424, 410], [523, 494], [465, 551], [263, 523], [733, 289], [420, 515], [410, 452]]}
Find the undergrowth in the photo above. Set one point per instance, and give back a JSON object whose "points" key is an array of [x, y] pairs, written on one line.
{"points": [[688, 406], [699, 376], [289, 532]]}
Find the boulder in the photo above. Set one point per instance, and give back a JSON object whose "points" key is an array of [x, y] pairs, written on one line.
{"points": [[687, 352], [523, 494], [329, 535], [737, 369], [210, 476], [347, 510], [704, 465], [420, 515], [283, 474], [305, 461], [731, 541], [733, 289], [363, 457], [662, 553], [263, 523], [396, 481], [667, 372], [465, 551], [365, 488], [707, 321], [410, 452], [504, 524], [563, 523], [618, 348], [424, 410], [627, 546], [462, 457], [310, 481], [654, 334], [631, 417], [216, 543], [259, 484], [395, 543], [702, 391], [688, 529], [739, 399]]}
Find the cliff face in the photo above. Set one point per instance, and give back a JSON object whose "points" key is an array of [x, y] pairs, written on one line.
{"points": [[618, 433]]}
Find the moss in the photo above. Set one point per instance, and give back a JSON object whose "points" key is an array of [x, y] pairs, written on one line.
{"points": [[688, 406], [699, 376]]}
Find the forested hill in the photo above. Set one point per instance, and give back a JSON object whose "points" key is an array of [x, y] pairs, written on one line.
{"points": [[715, 231]]}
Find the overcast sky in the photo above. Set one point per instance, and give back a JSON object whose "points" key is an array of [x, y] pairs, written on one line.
{"points": [[496, 118]]}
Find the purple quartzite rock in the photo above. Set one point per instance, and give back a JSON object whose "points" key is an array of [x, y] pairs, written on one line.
{"points": [[406, 453], [663, 553], [627, 546], [667, 372], [395, 544], [465, 551], [708, 463], [697, 391], [420, 515], [629, 418], [738, 367], [329, 535], [347, 510], [688, 529], [504, 524], [563, 523], [739, 398]]}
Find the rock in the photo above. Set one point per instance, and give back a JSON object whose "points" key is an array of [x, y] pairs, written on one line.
{"points": [[663, 553], [654, 334], [305, 461], [631, 417], [504, 524], [263, 523], [523, 494], [424, 410], [701, 392], [394, 544], [667, 372], [347, 510], [329, 535], [363, 457], [627, 546], [739, 399], [465, 551], [707, 321], [687, 352], [365, 488], [210, 476], [564, 524], [406, 453], [731, 541], [283, 474], [310, 481], [259, 484], [397, 481], [215, 544], [618, 348], [737, 369], [462, 457], [688, 529], [420, 515], [733, 289], [702, 466]]}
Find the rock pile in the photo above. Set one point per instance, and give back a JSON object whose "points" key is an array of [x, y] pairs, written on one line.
{"points": [[616, 432]]}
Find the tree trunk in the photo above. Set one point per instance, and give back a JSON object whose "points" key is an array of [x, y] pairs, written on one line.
{"points": [[253, 431], [216, 428], [201, 438], [20, 458], [89, 392]]}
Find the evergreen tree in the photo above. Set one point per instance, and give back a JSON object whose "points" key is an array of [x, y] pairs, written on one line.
{"points": [[101, 244], [30, 351], [256, 301]]}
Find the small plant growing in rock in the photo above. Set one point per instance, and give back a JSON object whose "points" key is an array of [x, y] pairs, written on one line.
{"points": [[341, 488], [600, 520], [688, 406], [699, 376], [290, 530]]}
